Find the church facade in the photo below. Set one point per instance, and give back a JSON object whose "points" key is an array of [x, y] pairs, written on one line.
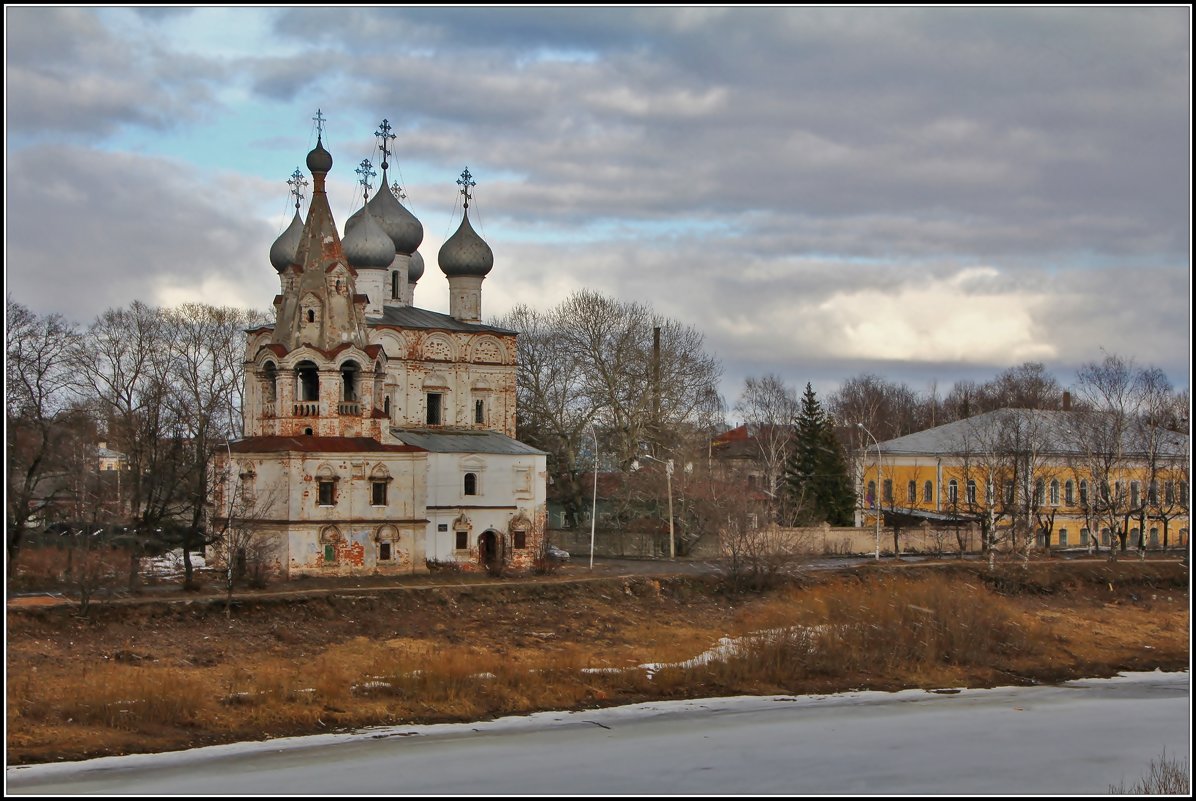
{"points": [[379, 438]]}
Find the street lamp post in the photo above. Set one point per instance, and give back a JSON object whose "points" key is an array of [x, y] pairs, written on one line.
{"points": [[668, 472], [594, 503], [876, 508]]}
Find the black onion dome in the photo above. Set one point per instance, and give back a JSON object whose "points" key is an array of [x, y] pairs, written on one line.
{"points": [[319, 159], [465, 253]]}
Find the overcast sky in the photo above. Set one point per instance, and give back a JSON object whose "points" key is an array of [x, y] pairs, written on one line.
{"points": [[921, 193]]}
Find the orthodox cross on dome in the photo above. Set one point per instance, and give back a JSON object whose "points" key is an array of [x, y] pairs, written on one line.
{"points": [[384, 138], [298, 184], [319, 121], [366, 171], [398, 190], [466, 181]]}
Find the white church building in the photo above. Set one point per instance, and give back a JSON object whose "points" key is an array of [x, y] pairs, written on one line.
{"points": [[380, 436]]}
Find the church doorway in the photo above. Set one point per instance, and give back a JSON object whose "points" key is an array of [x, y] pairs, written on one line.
{"points": [[490, 549]]}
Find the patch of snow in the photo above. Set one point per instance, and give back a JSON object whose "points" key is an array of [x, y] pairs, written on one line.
{"points": [[170, 564]]}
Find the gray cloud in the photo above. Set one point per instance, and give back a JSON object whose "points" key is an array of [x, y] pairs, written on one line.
{"points": [[1060, 127], [755, 172], [95, 230], [67, 73]]}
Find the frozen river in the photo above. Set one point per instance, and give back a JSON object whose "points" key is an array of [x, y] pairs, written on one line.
{"points": [[1075, 738]]}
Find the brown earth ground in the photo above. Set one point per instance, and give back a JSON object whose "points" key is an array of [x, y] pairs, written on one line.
{"points": [[298, 658]]}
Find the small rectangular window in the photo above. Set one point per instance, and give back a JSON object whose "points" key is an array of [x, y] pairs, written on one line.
{"points": [[520, 540], [378, 493], [434, 415], [384, 552], [479, 411], [327, 493], [462, 540]]}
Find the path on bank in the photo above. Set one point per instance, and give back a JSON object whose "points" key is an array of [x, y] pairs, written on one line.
{"points": [[577, 572]]}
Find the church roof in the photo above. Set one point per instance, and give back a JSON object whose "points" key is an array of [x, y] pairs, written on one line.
{"points": [[440, 440], [276, 444], [412, 317], [1054, 432]]}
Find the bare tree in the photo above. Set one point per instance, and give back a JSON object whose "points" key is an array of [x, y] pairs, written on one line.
{"points": [[554, 411], [123, 366], [888, 409], [769, 409], [642, 381], [38, 389], [204, 347], [754, 552], [1027, 386], [241, 547], [1102, 442], [643, 387]]}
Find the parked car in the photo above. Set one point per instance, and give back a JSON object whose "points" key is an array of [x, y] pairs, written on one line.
{"points": [[556, 554]]}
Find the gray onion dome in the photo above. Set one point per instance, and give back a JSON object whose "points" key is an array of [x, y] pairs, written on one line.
{"points": [[283, 251], [319, 159], [367, 246], [354, 218], [465, 253], [415, 268], [400, 224]]}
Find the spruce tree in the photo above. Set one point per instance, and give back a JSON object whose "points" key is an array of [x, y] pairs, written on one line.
{"points": [[817, 485]]}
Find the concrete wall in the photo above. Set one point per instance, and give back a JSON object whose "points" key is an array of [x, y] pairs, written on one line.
{"points": [[510, 495], [821, 540], [285, 488]]}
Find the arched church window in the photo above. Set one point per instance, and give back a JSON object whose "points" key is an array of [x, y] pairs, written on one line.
{"points": [[349, 381], [471, 483], [311, 315], [271, 382], [309, 381]]}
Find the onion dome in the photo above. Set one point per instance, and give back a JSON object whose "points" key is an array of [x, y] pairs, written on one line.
{"points": [[283, 251], [400, 224], [367, 246], [465, 253], [319, 159], [354, 218], [415, 268]]}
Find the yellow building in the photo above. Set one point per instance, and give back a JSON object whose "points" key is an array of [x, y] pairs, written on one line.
{"points": [[1035, 478]]}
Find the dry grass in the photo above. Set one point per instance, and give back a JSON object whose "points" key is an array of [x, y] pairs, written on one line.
{"points": [[1166, 776], [263, 679], [889, 629]]}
